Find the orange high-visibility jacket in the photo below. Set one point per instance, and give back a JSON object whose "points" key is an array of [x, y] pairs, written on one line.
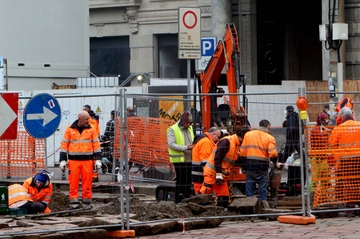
{"points": [[80, 146], [43, 196], [200, 156], [17, 193], [228, 161], [346, 135], [345, 140], [95, 124], [258, 145]]}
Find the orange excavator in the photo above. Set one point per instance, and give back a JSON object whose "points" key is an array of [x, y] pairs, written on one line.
{"points": [[229, 115]]}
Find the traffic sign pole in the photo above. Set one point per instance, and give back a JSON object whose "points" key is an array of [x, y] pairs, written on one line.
{"points": [[189, 39]]}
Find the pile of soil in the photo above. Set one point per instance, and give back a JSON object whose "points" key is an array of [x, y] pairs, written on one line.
{"points": [[145, 210]]}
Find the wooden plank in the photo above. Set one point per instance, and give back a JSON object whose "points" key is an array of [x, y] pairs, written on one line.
{"points": [[316, 100]]}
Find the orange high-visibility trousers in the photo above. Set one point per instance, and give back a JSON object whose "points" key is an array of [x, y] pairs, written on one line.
{"points": [[47, 210], [210, 185], [197, 187], [83, 169]]}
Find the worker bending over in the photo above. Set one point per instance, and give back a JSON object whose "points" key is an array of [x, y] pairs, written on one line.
{"points": [[218, 169], [201, 152]]}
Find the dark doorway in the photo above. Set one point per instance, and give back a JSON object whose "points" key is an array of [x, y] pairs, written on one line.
{"points": [[110, 56], [288, 41], [170, 66]]}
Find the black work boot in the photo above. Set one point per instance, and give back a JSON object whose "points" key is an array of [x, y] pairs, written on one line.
{"points": [[223, 201]]}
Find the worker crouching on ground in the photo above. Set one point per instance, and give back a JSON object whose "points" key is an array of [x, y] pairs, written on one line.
{"points": [[180, 138], [218, 169], [40, 190], [19, 198], [79, 146], [257, 147]]}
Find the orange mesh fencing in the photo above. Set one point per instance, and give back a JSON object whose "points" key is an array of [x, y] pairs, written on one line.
{"points": [[334, 154], [21, 157], [147, 141]]}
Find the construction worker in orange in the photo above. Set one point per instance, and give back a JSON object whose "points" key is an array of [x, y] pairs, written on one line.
{"points": [[319, 137], [180, 138], [94, 120], [218, 169], [345, 143], [257, 148], [40, 189], [19, 198], [79, 146], [201, 152], [344, 102]]}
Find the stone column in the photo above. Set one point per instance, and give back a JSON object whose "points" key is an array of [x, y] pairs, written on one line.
{"points": [[220, 15]]}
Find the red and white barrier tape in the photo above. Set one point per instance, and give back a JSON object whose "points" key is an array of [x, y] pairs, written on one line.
{"points": [[183, 225]]}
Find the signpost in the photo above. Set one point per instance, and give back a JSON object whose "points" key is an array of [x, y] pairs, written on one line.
{"points": [[189, 38], [8, 115], [189, 33], [42, 116]]}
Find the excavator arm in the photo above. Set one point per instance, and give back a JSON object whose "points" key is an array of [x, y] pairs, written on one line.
{"points": [[225, 55]]}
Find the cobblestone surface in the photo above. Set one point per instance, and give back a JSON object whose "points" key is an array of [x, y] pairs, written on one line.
{"points": [[340, 227]]}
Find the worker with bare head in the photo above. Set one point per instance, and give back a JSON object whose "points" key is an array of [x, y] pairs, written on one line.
{"points": [[203, 147], [93, 120], [259, 148], [345, 143], [130, 111], [79, 146], [83, 118], [87, 108]]}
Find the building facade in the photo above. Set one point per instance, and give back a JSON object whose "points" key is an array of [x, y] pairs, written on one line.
{"points": [[279, 40]]}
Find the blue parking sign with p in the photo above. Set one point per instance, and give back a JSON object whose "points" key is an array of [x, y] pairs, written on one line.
{"points": [[208, 46]]}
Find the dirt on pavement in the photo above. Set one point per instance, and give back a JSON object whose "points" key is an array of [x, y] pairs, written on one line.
{"points": [[145, 210]]}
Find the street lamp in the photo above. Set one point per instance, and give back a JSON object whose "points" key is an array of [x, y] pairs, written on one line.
{"points": [[143, 77]]}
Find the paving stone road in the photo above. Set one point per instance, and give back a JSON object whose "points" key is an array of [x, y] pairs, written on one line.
{"points": [[329, 228]]}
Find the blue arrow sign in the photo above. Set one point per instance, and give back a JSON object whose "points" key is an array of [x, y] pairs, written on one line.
{"points": [[42, 116]]}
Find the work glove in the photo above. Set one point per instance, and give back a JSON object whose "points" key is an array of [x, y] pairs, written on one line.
{"points": [[98, 165], [63, 166], [219, 178], [278, 165]]}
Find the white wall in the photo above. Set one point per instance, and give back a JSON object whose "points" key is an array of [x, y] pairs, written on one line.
{"points": [[44, 40]]}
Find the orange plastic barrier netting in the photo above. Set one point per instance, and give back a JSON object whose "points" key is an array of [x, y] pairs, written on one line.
{"points": [[147, 141], [334, 154], [21, 157]]}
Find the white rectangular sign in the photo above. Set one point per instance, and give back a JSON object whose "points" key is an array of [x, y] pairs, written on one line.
{"points": [[189, 54], [189, 28]]}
